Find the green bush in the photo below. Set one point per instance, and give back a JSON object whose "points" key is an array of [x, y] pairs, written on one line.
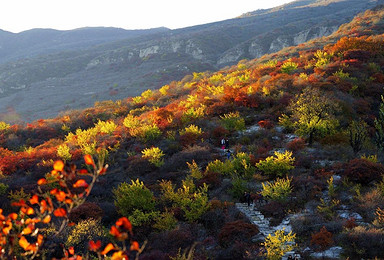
{"points": [[288, 67], [139, 217], [165, 221], [233, 121], [3, 188], [134, 196], [239, 186], [277, 165], [192, 201]]}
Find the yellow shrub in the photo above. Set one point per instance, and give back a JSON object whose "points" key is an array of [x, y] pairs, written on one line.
{"points": [[191, 129], [154, 155], [63, 152]]}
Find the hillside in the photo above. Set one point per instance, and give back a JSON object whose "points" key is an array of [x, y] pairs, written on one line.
{"points": [[302, 134], [97, 67]]}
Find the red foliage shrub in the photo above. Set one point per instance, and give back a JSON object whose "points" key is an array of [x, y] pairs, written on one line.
{"points": [[363, 171], [322, 239], [236, 231], [86, 211], [296, 144], [188, 139], [243, 99], [350, 223], [219, 132], [213, 179], [268, 124], [361, 55]]}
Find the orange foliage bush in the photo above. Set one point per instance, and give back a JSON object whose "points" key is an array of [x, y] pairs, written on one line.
{"points": [[21, 232], [322, 239]]}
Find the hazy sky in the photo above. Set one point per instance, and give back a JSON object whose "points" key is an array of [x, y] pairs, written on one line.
{"points": [[20, 15]]}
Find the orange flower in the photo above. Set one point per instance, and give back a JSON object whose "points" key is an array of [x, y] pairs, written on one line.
{"points": [[88, 159], [58, 166], [108, 248]]}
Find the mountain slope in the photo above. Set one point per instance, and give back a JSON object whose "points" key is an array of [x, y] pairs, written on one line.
{"points": [[303, 132], [44, 85]]}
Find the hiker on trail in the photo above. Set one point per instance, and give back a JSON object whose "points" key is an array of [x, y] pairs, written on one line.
{"points": [[226, 143], [247, 198], [229, 154], [222, 142]]}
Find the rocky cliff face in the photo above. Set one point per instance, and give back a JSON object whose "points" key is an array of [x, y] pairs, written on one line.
{"points": [[270, 43]]}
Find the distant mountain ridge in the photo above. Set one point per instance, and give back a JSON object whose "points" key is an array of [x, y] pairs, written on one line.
{"points": [[92, 64]]}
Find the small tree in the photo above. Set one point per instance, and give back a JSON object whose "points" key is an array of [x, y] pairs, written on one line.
{"points": [[312, 114], [357, 135], [379, 125], [278, 244]]}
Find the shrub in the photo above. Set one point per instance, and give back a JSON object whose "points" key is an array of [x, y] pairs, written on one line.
{"points": [[363, 171], [296, 144], [288, 67], [106, 127], [265, 124], [236, 231], [86, 211], [232, 121], [131, 121], [3, 188], [278, 244], [129, 197], [191, 129], [192, 201], [279, 190], [195, 170], [363, 243], [63, 152], [239, 186], [277, 165], [154, 155], [4, 126], [165, 221], [322, 239], [83, 232], [149, 133], [216, 166]]}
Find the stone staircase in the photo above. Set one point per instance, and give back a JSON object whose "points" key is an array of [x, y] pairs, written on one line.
{"points": [[258, 219]]}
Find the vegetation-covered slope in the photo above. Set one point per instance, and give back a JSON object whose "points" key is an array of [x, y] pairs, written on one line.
{"points": [[305, 139], [36, 84]]}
